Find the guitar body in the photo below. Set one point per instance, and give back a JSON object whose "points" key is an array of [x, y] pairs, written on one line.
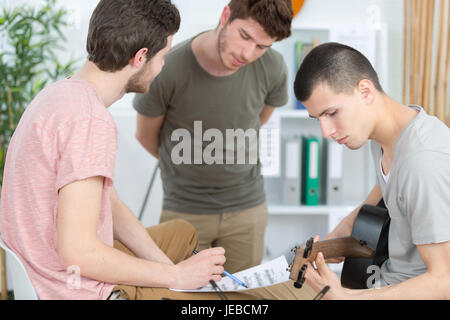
{"points": [[372, 227]]}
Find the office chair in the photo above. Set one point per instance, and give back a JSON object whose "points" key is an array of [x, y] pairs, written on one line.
{"points": [[23, 289]]}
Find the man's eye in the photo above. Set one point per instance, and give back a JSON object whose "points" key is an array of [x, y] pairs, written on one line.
{"points": [[244, 37], [332, 113]]}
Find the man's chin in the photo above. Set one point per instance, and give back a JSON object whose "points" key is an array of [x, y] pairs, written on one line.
{"points": [[353, 146]]}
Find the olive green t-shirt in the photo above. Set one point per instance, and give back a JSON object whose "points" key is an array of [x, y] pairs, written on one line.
{"points": [[202, 171]]}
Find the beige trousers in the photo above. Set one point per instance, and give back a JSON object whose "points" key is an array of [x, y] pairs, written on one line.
{"points": [[178, 239], [240, 233]]}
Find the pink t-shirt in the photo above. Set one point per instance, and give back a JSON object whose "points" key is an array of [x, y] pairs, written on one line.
{"points": [[66, 134]]}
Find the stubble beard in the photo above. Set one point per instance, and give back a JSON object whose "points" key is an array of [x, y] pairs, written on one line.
{"points": [[222, 48], [136, 85]]}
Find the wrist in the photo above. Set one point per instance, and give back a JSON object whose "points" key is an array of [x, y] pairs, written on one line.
{"points": [[349, 294], [172, 272]]}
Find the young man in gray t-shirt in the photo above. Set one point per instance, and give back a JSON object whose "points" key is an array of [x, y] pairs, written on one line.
{"points": [[411, 150], [201, 119]]}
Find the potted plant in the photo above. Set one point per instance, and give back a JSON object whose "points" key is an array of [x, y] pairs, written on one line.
{"points": [[30, 39]]}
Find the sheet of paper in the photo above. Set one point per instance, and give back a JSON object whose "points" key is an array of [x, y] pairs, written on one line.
{"points": [[265, 274]]}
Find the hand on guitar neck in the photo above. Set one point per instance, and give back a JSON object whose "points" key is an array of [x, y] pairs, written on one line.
{"points": [[332, 249], [365, 247]]}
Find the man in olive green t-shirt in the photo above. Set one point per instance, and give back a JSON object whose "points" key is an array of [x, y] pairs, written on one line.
{"points": [[201, 118]]}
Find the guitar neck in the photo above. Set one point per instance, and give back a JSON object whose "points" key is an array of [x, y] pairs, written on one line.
{"points": [[333, 248]]}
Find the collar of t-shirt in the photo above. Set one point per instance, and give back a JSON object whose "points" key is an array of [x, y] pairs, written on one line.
{"points": [[385, 177]]}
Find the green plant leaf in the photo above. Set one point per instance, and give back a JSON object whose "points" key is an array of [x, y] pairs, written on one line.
{"points": [[34, 38]]}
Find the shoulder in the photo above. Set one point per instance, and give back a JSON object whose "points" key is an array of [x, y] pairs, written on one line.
{"points": [[70, 101], [177, 55], [271, 67], [432, 134], [426, 142], [425, 132], [273, 55], [272, 60], [177, 60], [424, 151]]}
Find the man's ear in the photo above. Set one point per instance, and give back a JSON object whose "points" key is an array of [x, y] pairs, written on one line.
{"points": [[366, 90], [139, 58], [226, 13]]}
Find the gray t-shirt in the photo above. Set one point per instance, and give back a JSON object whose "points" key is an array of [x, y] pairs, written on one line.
{"points": [[185, 93], [417, 195]]}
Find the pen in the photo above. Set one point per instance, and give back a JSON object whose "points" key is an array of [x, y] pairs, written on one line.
{"points": [[230, 275], [235, 279]]}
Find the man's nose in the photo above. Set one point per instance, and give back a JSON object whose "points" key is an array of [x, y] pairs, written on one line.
{"points": [[247, 51], [327, 128]]}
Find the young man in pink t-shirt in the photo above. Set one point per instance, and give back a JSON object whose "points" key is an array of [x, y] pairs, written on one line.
{"points": [[59, 211]]}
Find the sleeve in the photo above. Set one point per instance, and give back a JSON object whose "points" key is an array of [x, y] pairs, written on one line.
{"points": [[278, 93], [425, 197], [155, 102], [86, 148]]}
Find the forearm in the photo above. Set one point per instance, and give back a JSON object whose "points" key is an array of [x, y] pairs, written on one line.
{"points": [[345, 227], [425, 286], [103, 263], [265, 114], [151, 145], [148, 133], [130, 232]]}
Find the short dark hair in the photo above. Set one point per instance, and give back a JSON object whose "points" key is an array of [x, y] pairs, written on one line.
{"points": [[118, 29], [275, 16], [340, 66]]}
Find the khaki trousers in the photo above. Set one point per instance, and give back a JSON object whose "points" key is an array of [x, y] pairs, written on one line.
{"points": [[178, 239], [240, 233]]}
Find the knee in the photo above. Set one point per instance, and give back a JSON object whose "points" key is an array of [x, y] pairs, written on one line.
{"points": [[181, 226]]}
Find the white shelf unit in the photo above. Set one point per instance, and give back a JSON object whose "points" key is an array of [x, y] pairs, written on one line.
{"points": [[308, 210], [293, 113]]}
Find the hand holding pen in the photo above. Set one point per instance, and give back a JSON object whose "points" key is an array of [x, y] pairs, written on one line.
{"points": [[198, 270], [226, 273]]}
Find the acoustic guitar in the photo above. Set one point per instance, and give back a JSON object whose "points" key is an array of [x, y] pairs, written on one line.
{"points": [[367, 246]]}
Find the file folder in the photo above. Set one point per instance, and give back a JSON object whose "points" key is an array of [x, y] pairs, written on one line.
{"points": [[311, 170], [334, 171], [292, 168], [274, 191], [301, 50]]}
